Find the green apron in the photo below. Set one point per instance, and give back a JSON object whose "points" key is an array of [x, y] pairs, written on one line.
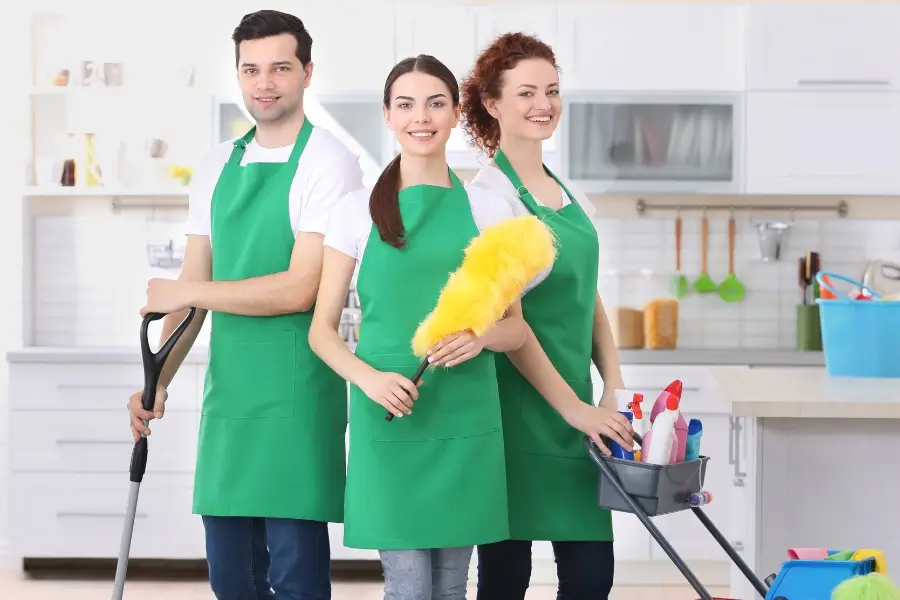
{"points": [[552, 481], [435, 478], [274, 416]]}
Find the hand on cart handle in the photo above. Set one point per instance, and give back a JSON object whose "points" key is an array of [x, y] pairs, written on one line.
{"points": [[599, 422]]}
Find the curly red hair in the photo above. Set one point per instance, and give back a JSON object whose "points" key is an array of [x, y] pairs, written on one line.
{"points": [[486, 79]]}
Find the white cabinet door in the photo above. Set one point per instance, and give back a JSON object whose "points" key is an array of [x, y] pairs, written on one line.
{"points": [[618, 47], [343, 61], [823, 46], [632, 540], [822, 143], [683, 529], [743, 504], [449, 33]]}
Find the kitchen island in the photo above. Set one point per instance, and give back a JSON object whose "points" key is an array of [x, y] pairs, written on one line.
{"points": [[814, 462]]}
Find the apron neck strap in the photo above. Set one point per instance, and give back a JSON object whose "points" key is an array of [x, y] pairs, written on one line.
{"points": [[525, 196], [240, 144]]}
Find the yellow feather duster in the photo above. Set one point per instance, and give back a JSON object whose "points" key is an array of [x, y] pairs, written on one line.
{"points": [[497, 266]]}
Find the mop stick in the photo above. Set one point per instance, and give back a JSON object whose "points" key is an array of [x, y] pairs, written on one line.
{"points": [[153, 364], [496, 267]]}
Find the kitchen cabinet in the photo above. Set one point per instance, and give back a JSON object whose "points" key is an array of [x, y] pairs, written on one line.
{"points": [[834, 46], [447, 32], [654, 143], [618, 47], [343, 61], [823, 143], [69, 455]]}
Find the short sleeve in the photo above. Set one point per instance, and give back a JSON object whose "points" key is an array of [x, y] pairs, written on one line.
{"points": [[200, 192], [324, 188], [348, 224]]}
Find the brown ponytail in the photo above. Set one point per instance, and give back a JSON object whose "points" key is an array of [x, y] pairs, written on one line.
{"points": [[486, 80], [384, 206]]}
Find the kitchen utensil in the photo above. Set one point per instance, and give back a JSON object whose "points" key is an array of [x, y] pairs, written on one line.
{"points": [[811, 269], [802, 280], [680, 283], [704, 283], [153, 364], [773, 237], [731, 290]]}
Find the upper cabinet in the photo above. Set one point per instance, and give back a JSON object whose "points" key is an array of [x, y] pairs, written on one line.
{"points": [[343, 61], [625, 47], [447, 32], [823, 143], [840, 46], [653, 143]]}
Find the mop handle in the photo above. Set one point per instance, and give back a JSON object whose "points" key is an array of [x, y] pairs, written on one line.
{"points": [[415, 379], [153, 363]]}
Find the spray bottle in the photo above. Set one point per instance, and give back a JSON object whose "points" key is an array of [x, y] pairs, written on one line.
{"points": [[674, 389], [661, 437]]}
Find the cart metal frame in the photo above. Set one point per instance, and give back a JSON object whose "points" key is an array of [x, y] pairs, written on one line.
{"points": [[761, 587]]}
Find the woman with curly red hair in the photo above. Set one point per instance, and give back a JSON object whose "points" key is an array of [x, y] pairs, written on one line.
{"points": [[510, 104]]}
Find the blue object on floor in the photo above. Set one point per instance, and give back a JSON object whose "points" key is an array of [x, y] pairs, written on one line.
{"points": [[815, 579]]}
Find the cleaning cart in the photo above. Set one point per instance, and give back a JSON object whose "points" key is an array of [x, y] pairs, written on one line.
{"points": [[649, 490]]}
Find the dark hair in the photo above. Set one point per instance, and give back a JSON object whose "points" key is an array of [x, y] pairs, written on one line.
{"points": [[383, 203], [486, 79], [269, 23]]}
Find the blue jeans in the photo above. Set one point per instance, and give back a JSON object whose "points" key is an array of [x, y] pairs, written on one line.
{"points": [[268, 559], [439, 574], [584, 570]]}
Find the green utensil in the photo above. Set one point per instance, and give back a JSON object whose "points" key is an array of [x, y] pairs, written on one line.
{"points": [[680, 283], [704, 283], [731, 290]]}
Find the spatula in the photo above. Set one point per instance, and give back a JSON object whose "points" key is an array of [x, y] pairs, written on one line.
{"points": [[731, 290], [704, 283], [680, 283]]}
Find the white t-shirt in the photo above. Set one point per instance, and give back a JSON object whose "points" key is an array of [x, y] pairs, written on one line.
{"points": [[351, 223], [326, 172], [491, 178]]}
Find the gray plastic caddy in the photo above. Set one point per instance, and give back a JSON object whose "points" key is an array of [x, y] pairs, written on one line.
{"points": [[651, 490], [659, 490]]}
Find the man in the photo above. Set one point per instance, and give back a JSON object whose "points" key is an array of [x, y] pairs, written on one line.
{"points": [[271, 456]]}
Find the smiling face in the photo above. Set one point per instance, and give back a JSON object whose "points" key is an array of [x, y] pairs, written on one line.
{"points": [[271, 77], [421, 113], [529, 106]]}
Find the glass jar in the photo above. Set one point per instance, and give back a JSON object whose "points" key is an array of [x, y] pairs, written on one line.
{"points": [[642, 310]]}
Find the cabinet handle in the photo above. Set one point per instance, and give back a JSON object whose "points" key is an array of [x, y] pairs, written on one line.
{"points": [[118, 515], [730, 440], [738, 482], [845, 82], [737, 448]]}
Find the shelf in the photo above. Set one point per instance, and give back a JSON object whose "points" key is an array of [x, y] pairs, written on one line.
{"points": [[104, 192]]}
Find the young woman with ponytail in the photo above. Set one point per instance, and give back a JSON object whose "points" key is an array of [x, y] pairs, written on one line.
{"points": [[510, 104], [426, 487]]}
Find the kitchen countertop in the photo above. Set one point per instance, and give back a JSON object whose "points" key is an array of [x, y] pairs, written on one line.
{"points": [[806, 392], [198, 355]]}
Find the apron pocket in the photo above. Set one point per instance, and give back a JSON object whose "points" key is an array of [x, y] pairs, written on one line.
{"points": [[252, 375], [544, 431], [459, 402]]}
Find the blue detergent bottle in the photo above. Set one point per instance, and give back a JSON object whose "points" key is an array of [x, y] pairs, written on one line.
{"points": [[624, 401]]}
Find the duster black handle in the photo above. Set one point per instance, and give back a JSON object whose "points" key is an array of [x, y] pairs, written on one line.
{"points": [[153, 364], [415, 379]]}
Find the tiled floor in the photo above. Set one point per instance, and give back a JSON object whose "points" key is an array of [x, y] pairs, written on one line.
{"points": [[14, 587]]}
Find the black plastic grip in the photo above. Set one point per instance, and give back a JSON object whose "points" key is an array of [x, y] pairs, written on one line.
{"points": [[153, 364], [415, 379]]}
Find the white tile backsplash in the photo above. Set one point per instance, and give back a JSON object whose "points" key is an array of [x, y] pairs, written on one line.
{"points": [[765, 318], [91, 272]]}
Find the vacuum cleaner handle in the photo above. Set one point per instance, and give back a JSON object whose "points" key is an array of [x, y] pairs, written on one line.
{"points": [[153, 364], [415, 379]]}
